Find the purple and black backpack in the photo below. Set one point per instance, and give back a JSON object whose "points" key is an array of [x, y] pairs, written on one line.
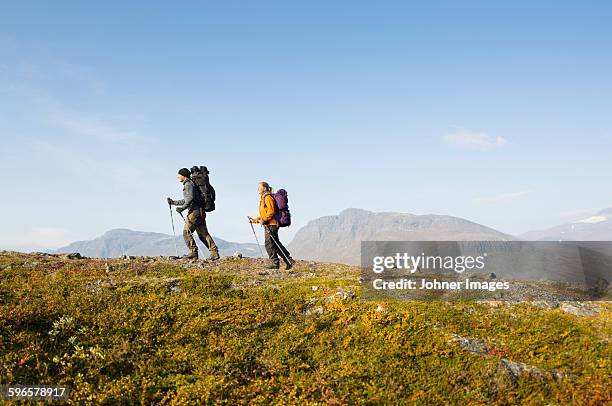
{"points": [[283, 216]]}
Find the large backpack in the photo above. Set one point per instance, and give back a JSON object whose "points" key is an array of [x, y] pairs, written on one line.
{"points": [[283, 216], [199, 176]]}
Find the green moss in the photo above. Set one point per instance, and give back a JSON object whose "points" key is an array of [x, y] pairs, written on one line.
{"points": [[153, 332]]}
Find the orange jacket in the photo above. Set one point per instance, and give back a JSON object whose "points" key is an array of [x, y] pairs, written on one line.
{"points": [[266, 210]]}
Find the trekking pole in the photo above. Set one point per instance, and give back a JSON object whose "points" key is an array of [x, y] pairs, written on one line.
{"points": [[278, 246], [256, 239], [173, 231]]}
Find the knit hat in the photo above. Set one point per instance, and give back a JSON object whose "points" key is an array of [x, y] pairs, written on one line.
{"points": [[185, 172]]}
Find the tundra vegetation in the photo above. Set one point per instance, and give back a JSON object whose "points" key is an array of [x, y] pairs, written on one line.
{"points": [[153, 330]]}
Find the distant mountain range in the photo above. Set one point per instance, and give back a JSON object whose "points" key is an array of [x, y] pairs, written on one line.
{"points": [[595, 228], [118, 242], [338, 238]]}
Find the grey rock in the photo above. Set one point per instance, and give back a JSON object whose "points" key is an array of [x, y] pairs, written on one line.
{"points": [[341, 295], [472, 344], [546, 304], [516, 369], [173, 286], [493, 303], [314, 310], [94, 286], [579, 308]]}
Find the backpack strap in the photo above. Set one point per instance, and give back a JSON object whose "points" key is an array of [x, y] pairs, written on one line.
{"points": [[197, 193], [273, 200]]}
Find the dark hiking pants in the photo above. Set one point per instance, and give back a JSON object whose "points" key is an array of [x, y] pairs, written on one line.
{"points": [[196, 221], [274, 247]]}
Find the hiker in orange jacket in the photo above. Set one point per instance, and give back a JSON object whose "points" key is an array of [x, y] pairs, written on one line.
{"points": [[267, 218]]}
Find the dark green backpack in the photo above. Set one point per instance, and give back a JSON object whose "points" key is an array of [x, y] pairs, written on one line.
{"points": [[207, 194]]}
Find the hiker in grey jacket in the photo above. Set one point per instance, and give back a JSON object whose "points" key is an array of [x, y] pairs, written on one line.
{"points": [[187, 202], [196, 217]]}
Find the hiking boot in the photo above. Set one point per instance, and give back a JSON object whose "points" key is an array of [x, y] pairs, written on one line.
{"points": [[193, 255], [214, 256], [272, 266], [290, 264]]}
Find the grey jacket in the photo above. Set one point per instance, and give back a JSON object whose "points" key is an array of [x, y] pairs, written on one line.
{"points": [[188, 201]]}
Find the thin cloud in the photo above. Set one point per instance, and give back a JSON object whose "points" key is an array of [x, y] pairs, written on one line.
{"points": [[474, 140], [36, 238], [77, 141], [577, 214], [504, 197], [79, 123], [83, 74], [85, 126]]}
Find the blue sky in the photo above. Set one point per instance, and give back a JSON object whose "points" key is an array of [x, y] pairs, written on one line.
{"points": [[498, 113]]}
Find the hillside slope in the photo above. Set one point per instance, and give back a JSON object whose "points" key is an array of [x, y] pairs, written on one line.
{"points": [[158, 331], [338, 238], [597, 227], [120, 241]]}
